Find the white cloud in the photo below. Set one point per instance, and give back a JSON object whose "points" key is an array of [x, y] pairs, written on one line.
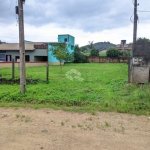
{"points": [[49, 33]]}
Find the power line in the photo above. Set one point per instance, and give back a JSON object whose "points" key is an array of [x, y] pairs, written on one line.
{"points": [[143, 11], [10, 4]]}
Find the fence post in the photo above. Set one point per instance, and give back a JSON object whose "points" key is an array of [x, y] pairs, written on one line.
{"points": [[129, 70], [13, 69], [47, 73]]}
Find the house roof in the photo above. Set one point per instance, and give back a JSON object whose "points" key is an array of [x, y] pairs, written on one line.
{"points": [[28, 46], [65, 35], [15, 46]]}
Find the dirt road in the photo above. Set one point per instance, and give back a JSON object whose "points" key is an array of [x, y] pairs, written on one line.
{"points": [[30, 129]]}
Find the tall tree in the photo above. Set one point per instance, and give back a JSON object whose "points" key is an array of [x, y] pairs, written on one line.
{"points": [[143, 40], [90, 44]]}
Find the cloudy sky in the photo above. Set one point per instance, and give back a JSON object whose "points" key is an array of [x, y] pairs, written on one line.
{"points": [[86, 20]]}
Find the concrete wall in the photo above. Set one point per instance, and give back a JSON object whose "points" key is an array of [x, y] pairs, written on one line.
{"points": [[140, 70], [51, 58], [107, 59], [140, 74], [70, 41], [9, 65]]}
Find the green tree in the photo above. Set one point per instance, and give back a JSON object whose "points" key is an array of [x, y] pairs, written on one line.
{"points": [[113, 52], [90, 44], [61, 53], [69, 57], [94, 52], [1, 42], [79, 57], [143, 40], [126, 53]]}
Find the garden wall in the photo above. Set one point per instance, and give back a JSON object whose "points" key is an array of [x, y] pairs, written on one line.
{"points": [[9, 64], [107, 59]]}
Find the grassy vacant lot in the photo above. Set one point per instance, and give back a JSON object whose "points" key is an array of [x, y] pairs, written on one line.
{"points": [[104, 88]]}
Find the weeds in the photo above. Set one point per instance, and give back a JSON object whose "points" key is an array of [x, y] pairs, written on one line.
{"points": [[23, 117], [62, 123], [122, 127], [80, 125], [27, 119], [90, 118], [73, 126], [5, 115], [107, 124]]}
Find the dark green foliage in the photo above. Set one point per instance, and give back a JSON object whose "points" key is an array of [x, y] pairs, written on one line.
{"points": [[127, 53], [143, 40], [94, 52], [78, 55], [113, 52], [2, 42], [69, 57]]}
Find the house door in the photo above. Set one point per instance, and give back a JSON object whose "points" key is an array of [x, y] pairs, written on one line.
{"points": [[8, 58]]}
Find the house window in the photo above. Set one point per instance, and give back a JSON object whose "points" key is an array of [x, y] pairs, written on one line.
{"points": [[27, 58], [2, 57], [65, 40], [72, 47]]}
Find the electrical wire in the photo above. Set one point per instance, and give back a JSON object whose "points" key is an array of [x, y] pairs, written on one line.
{"points": [[10, 4], [131, 19], [143, 11], [17, 19]]}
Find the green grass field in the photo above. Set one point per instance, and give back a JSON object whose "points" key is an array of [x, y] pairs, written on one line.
{"points": [[104, 88]]}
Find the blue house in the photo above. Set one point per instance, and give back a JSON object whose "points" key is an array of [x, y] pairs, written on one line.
{"points": [[65, 38]]}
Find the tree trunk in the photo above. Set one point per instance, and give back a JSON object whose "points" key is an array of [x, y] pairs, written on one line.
{"points": [[60, 67]]}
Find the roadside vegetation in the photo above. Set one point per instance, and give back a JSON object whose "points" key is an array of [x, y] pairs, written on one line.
{"points": [[104, 88]]}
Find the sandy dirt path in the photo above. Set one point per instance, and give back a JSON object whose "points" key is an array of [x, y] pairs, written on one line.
{"points": [[30, 129]]}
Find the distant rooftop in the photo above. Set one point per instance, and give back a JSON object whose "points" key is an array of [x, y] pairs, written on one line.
{"points": [[15, 46]]}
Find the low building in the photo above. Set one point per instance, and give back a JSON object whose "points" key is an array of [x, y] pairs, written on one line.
{"points": [[34, 51], [124, 46], [11, 51]]}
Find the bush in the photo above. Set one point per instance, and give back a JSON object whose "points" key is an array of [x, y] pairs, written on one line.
{"points": [[79, 57], [94, 52], [113, 52]]}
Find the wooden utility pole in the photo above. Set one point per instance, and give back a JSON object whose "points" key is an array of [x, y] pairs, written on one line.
{"points": [[13, 69], [135, 24], [130, 65], [21, 46], [47, 67]]}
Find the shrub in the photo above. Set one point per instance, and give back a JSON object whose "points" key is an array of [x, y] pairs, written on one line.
{"points": [[79, 57], [94, 52], [113, 52]]}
